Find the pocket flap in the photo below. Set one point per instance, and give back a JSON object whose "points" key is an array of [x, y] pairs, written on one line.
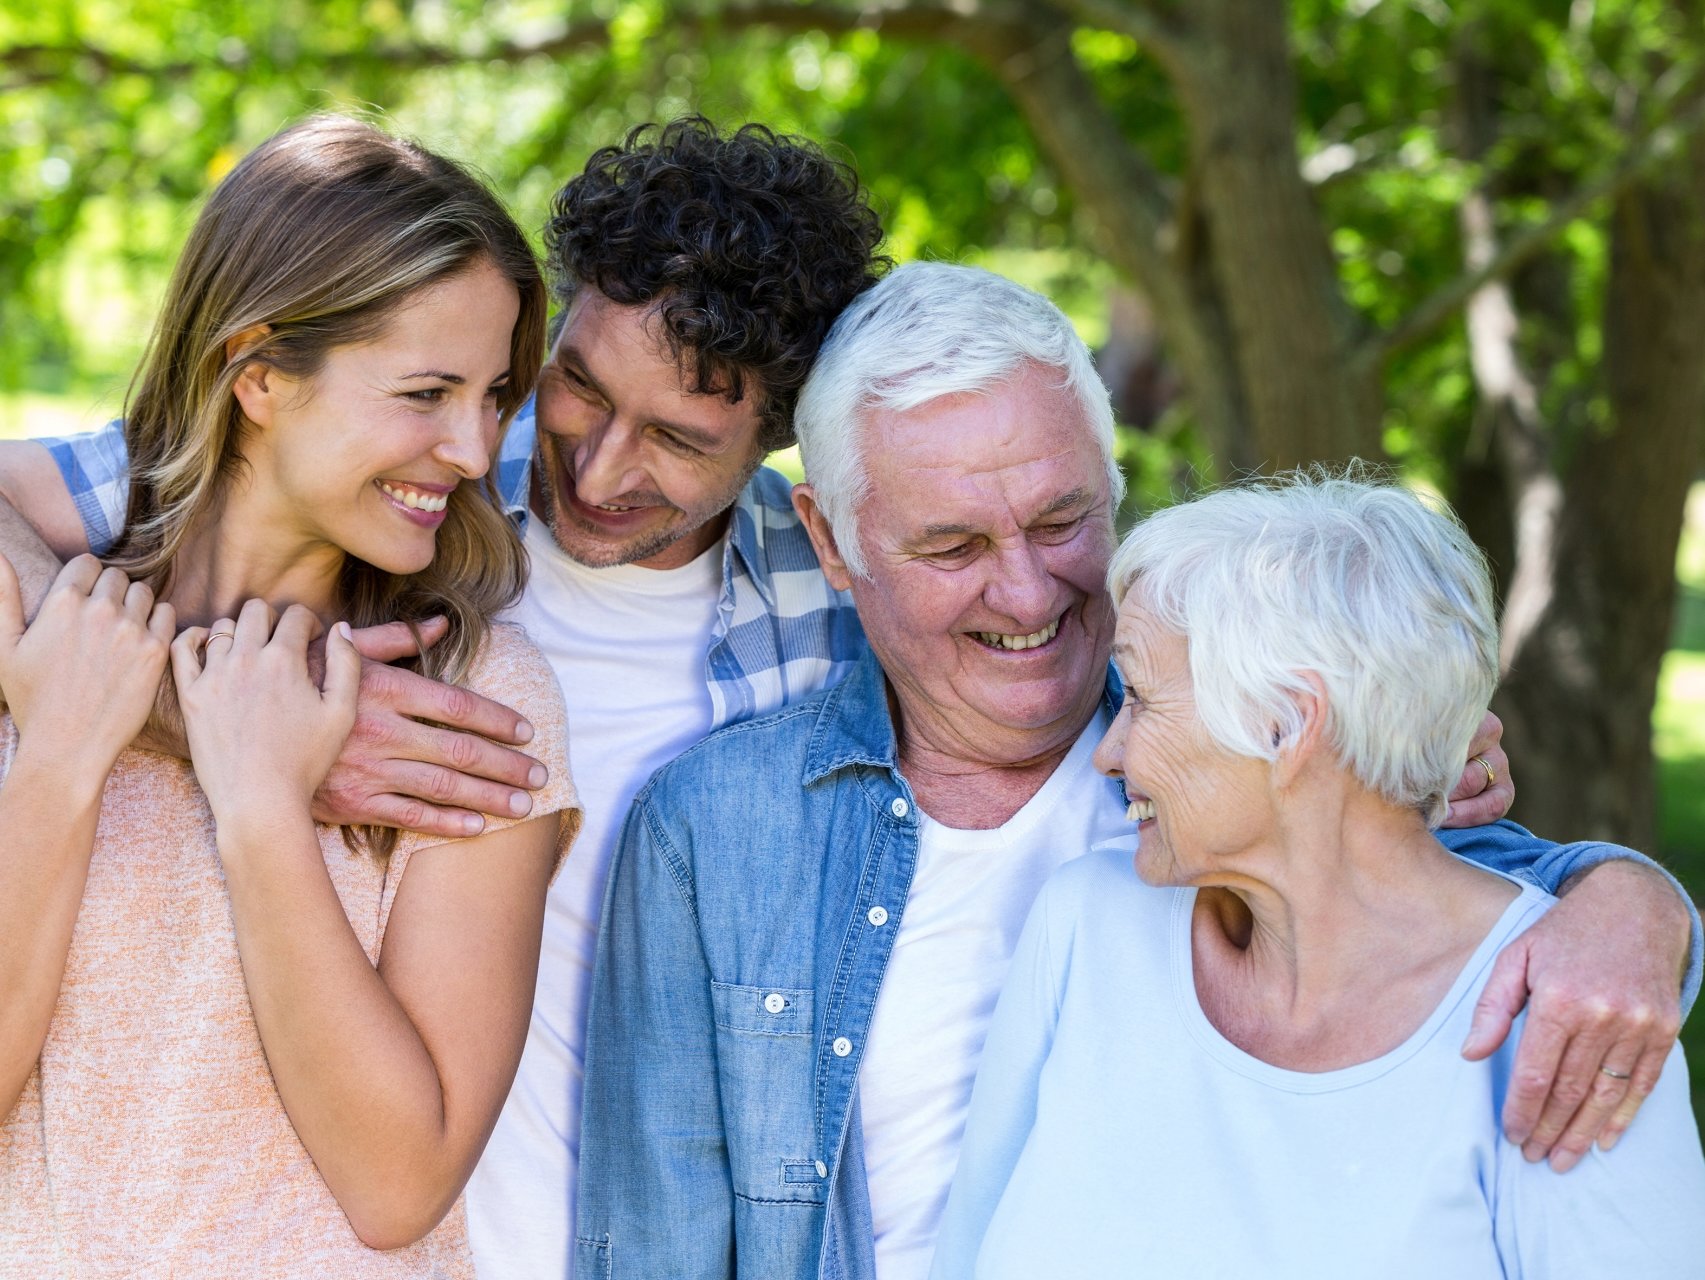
{"points": [[766, 1011]]}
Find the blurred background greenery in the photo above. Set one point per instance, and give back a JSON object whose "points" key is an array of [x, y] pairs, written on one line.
{"points": [[1467, 237]]}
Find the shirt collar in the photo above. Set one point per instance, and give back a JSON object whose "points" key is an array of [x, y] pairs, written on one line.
{"points": [[765, 493]]}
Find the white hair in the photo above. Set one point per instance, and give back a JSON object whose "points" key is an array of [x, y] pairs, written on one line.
{"points": [[927, 330], [1381, 596]]}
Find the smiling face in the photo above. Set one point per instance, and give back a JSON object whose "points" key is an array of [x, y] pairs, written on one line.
{"points": [[1196, 805], [634, 467], [362, 457], [987, 532]]}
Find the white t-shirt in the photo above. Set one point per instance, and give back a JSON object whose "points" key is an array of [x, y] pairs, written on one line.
{"points": [[628, 646], [970, 894], [1116, 1132]]}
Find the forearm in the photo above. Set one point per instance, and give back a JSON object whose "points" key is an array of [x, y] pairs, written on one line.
{"points": [[35, 563], [1562, 869], [49, 821], [354, 1074], [164, 731], [1644, 891]]}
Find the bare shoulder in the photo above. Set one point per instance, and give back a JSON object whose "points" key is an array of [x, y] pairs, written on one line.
{"points": [[31, 485]]}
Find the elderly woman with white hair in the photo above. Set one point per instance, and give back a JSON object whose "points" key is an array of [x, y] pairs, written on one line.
{"points": [[1244, 1059]]}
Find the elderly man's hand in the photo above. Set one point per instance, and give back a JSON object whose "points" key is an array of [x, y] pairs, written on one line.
{"points": [[1484, 792], [436, 777], [1603, 968]]}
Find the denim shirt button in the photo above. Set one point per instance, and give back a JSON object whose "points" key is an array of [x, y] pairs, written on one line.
{"points": [[842, 1046], [775, 1002], [899, 808], [877, 916], [822, 1170]]}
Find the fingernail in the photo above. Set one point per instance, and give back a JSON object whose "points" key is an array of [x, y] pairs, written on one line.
{"points": [[342, 629], [1563, 1161], [473, 824], [523, 731], [519, 803], [537, 776], [1532, 1152], [1607, 1139]]}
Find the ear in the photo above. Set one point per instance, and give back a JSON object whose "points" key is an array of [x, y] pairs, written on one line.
{"points": [[822, 537], [254, 388], [1300, 749]]}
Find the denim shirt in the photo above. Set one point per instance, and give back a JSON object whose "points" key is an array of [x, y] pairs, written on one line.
{"points": [[738, 966]]}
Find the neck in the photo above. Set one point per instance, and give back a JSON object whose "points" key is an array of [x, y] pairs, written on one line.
{"points": [[236, 553], [1350, 906], [972, 787]]}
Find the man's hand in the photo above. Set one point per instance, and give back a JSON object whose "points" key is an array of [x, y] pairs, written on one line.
{"points": [[436, 778], [1604, 969], [1484, 792]]}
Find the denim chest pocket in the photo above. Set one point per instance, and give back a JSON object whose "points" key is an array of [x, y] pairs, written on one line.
{"points": [[764, 1045]]}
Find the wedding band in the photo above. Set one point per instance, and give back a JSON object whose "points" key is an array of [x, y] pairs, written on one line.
{"points": [[219, 635], [1617, 1075], [1491, 776]]}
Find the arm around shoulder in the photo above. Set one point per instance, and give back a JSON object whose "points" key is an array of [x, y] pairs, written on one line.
{"points": [[33, 488]]}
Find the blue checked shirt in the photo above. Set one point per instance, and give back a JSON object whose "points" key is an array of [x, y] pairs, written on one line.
{"points": [[782, 631]]}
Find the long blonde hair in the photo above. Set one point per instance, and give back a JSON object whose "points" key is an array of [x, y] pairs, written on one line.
{"points": [[320, 234]]}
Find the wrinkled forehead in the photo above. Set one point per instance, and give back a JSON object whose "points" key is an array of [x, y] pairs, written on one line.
{"points": [[1002, 457]]}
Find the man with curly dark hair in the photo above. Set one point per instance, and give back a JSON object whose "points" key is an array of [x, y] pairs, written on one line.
{"points": [[710, 268], [672, 587]]}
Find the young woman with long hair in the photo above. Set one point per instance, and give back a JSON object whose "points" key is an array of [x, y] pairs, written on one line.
{"points": [[234, 1043]]}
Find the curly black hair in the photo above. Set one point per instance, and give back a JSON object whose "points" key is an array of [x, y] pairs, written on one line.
{"points": [[752, 243]]}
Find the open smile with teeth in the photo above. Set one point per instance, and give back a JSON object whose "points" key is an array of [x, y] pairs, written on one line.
{"points": [[1035, 640], [416, 499], [1139, 810]]}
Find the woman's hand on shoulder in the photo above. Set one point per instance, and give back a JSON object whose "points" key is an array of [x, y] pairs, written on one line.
{"points": [[262, 731], [80, 679]]}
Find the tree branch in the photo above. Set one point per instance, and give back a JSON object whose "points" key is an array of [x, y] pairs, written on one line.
{"points": [[1658, 144], [1147, 23], [42, 63]]}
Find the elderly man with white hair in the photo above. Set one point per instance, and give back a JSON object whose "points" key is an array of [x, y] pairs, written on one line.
{"points": [[810, 915], [1292, 965]]}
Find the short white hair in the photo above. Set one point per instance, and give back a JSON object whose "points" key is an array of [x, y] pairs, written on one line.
{"points": [[927, 330], [1382, 596]]}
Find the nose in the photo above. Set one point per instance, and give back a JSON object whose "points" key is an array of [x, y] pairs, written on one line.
{"points": [[606, 463], [1022, 588], [1109, 758], [469, 439]]}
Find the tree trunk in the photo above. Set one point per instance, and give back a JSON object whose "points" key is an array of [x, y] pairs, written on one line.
{"points": [[1294, 335], [1588, 657]]}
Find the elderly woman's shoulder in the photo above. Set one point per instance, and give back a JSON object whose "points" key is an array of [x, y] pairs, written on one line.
{"points": [[1103, 885]]}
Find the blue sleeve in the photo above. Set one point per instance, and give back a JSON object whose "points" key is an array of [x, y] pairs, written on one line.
{"points": [[656, 1194], [95, 466], [1635, 1210], [1516, 851]]}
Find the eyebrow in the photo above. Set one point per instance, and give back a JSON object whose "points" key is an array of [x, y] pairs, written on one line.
{"points": [[455, 378], [1062, 503], [698, 437]]}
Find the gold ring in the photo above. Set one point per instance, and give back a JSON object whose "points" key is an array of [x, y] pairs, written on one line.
{"points": [[1617, 1075], [1491, 775], [219, 635]]}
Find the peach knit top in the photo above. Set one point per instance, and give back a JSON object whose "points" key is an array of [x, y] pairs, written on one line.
{"points": [[150, 1140]]}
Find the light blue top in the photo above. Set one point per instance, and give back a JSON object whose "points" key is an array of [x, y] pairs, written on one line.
{"points": [[1115, 1132]]}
